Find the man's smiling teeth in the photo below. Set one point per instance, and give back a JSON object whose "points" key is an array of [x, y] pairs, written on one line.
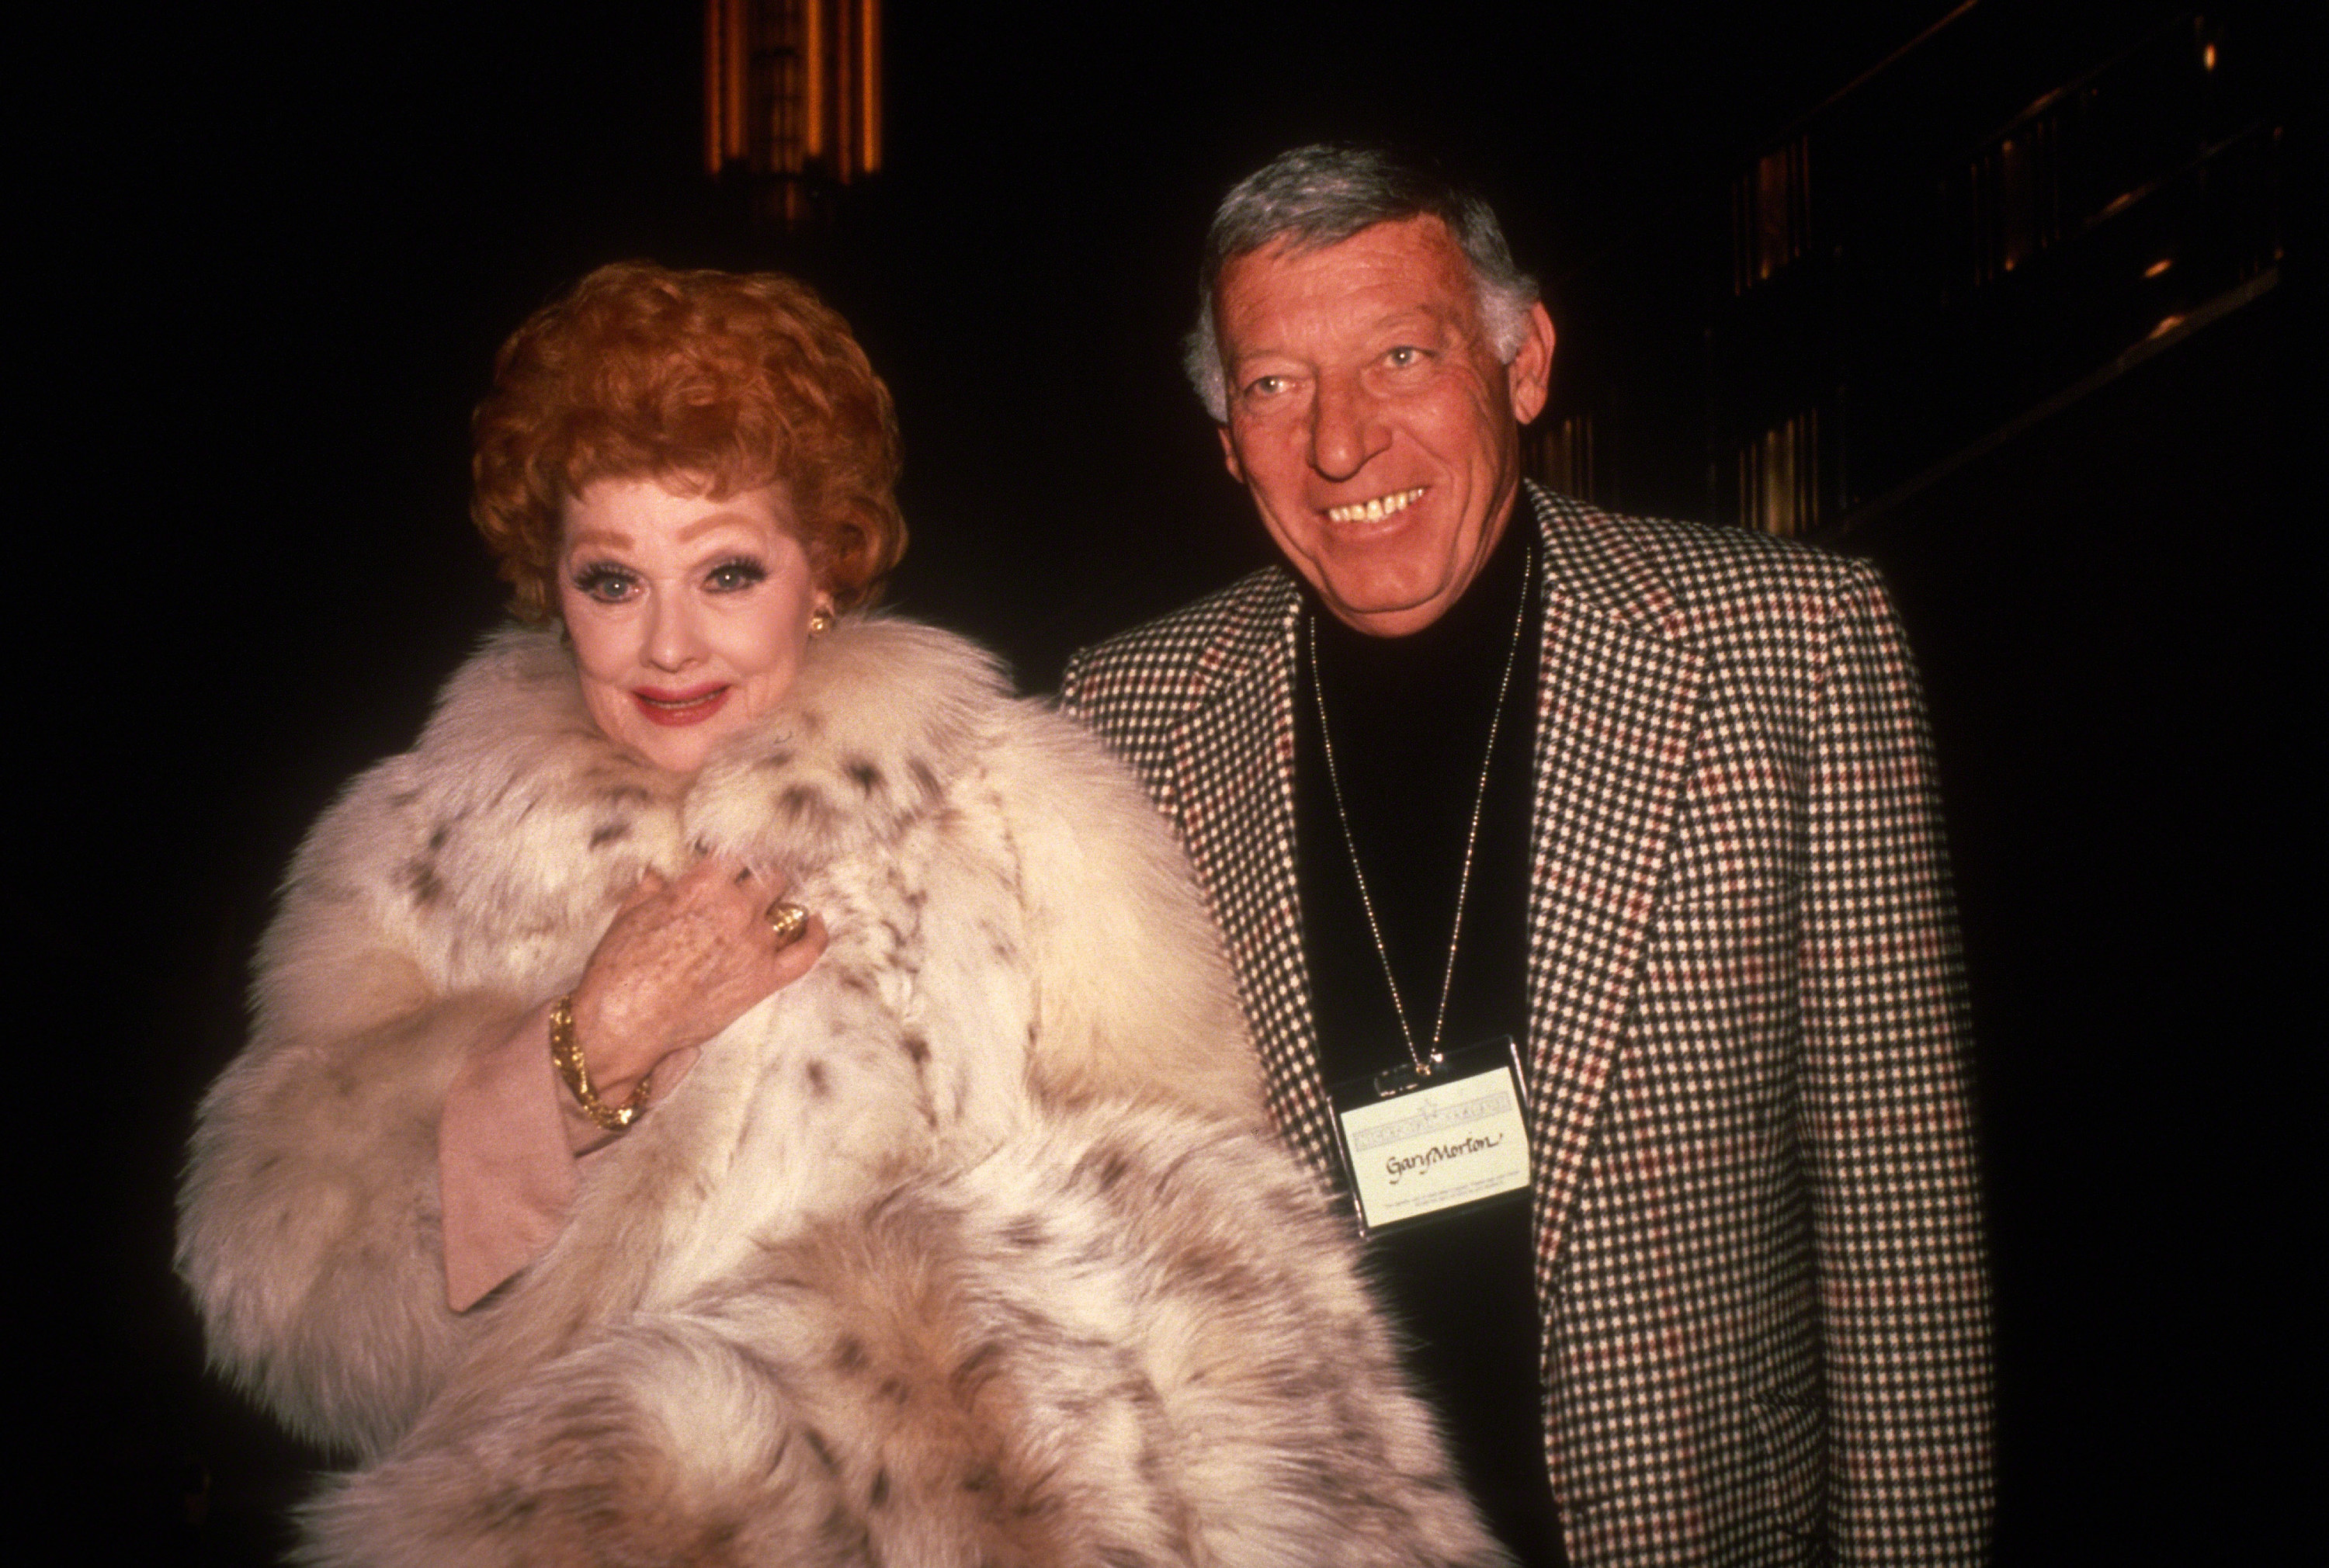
{"points": [[1375, 510]]}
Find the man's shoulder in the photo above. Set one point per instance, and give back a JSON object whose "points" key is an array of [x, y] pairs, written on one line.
{"points": [[1184, 652], [1685, 580]]}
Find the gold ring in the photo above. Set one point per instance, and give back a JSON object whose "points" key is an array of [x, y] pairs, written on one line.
{"points": [[787, 921]]}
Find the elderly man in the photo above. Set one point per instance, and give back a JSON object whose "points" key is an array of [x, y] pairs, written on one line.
{"points": [[1585, 886]]}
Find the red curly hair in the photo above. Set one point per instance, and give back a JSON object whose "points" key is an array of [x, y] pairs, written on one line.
{"points": [[724, 380]]}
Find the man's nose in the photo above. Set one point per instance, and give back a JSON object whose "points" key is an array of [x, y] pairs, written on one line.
{"points": [[1345, 429]]}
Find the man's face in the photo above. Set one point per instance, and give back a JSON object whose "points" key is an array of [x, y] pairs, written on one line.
{"points": [[1370, 419]]}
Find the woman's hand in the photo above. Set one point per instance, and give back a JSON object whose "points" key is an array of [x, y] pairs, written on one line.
{"points": [[682, 961]]}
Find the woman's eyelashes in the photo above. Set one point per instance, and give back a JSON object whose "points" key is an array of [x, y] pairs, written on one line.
{"points": [[734, 574], [610, 585], [614, 585]]}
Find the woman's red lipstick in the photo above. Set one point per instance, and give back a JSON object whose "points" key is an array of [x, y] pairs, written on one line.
{"points": [[676, 709]]}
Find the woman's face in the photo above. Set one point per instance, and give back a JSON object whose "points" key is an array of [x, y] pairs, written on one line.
{"points": [[689, 615]]}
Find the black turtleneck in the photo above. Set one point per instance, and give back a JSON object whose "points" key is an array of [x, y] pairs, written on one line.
{"points": [[1409, 720]]}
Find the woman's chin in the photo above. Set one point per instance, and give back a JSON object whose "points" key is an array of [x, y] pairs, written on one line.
{"points": [[682, 750]]}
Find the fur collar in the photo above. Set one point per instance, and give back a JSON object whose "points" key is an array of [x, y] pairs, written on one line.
{"points": [[522, 817]]}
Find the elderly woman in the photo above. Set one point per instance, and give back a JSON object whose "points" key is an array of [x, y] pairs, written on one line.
{"points": [[744, 1089]]}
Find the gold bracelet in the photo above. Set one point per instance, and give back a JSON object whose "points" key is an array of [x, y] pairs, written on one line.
{"points": [[566, 1055]]}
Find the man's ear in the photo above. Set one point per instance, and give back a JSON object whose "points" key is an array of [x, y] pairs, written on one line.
{"points": [[1229, 454], [1530, 375]]}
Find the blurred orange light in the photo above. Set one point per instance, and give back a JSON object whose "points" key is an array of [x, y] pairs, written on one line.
{"points": [[793, 90], [2208, 57], [2158, 267]]}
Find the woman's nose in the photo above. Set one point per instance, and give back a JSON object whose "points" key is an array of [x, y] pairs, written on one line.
{"points": [[674, 640]]}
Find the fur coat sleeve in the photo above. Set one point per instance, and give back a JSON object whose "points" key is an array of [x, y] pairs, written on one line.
{"points": [[1010, 921]]}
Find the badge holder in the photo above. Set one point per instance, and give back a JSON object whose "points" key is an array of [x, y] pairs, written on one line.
{"points": [[1419, 1141]]}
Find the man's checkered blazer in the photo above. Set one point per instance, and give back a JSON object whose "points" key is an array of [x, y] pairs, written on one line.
{"points": [[1760, 1255]]}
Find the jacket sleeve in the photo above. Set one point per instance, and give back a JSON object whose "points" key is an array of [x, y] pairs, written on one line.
{"points": [[309, 1219], [1135, 995], [1888, 1119]]}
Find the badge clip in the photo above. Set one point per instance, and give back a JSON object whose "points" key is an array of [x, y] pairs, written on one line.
{"points": [[1408, 1075]]}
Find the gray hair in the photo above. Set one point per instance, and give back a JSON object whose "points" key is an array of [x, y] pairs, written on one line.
{"points": [[1320, 195]]}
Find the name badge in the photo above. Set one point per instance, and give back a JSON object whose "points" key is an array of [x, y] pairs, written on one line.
{"points": [[1421, 1143]]}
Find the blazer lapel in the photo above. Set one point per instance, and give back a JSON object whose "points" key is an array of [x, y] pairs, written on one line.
{"points": [[1237, 747], [1617, 700]]}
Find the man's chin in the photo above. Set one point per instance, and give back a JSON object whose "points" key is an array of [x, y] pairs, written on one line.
{"points": [[1385, 615], [1384, 595]]}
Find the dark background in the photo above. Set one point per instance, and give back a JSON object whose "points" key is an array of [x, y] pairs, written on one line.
{"points": [[274, 249]]}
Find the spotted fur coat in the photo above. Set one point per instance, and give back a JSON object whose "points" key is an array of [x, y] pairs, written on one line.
{"points": [[969, 1247]]}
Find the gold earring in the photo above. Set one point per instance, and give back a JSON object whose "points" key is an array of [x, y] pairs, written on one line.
{"points": [[820, 620]]}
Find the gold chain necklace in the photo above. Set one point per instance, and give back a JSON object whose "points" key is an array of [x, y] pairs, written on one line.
{"points": [[1471, 834]]}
